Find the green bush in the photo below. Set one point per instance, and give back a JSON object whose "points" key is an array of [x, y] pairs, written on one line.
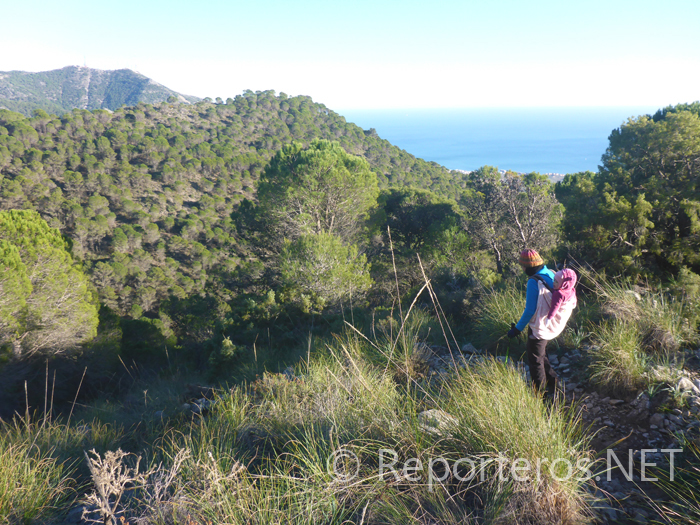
{"points": [[500, 416], [497, 309], [635, 330], [32, 484], [618, 362]]}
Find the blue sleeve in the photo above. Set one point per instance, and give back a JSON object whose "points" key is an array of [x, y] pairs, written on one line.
{"points": [[531, 296]]}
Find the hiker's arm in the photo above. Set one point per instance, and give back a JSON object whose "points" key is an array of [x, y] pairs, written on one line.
{"points": [[531, 296]]}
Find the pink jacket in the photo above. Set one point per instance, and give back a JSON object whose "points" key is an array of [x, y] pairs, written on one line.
{"points": [[564, 290]]}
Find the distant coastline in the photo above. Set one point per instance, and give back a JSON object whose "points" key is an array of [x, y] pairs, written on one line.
{"points": [[552, 141], [554, 177]]}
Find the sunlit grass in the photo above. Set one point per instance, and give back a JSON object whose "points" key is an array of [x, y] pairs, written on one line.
{"points": [[34, 482], [618, 363]]}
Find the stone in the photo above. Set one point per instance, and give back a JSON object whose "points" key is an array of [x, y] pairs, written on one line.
{"points": [[436, 421], [470, 349], [615, 402], [634, 294], [564, 361], [608, 423], [686, 385], [675, 419], [203, 404], [595, 410], [657, 419], [696, 382], [75, 515], [640, 516], [607, 512]]}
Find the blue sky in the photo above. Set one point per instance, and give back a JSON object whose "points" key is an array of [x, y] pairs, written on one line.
{"points": [[377, 54]]}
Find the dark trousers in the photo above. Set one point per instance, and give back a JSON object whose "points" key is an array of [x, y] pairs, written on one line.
{"points": [[541, 372]]}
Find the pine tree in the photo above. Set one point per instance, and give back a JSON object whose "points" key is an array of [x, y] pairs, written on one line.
{"points": [[53, 309]]}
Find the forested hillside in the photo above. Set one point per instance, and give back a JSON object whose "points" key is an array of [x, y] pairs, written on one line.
{"points": [[146, 194], [61, 90], [239, 291]]}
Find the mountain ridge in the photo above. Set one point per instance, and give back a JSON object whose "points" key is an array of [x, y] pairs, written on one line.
{"points": [[79, 87]]}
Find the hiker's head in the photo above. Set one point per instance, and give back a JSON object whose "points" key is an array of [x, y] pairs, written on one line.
{"points": [[531, 261]]}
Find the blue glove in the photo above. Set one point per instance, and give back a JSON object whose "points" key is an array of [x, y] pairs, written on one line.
{"points": [[513, 332]]}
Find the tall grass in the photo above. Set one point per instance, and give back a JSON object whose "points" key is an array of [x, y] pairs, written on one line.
{"points": [[501, 416], [41, 464], [618, 364], [307, 447], [33, 483], [634, 332], [498, 308], [683, 491], [286, 433], [665, 322]]}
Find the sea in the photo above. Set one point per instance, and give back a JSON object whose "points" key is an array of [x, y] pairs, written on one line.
{"points": [[553, 141]]}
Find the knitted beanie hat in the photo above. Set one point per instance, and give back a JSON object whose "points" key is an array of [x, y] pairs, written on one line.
{"points": [[530, 258]]}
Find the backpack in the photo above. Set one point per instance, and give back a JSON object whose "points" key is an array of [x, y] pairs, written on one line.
{"points": [[544, 302]]}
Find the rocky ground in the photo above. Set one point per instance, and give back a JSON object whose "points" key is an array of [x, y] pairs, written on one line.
{"points": [[646, 422]]}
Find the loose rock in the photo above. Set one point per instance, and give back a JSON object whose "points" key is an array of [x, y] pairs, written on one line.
{"points": [[657, 419], [436, 421], [470, 349], [686, 385]]}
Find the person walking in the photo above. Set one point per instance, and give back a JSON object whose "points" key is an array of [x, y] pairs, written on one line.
{"points": [[540, 281]]}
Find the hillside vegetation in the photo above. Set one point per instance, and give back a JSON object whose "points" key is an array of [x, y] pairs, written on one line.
{"points": [[146, 193], [206, 303]]}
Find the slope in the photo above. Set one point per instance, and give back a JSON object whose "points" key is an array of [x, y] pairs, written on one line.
{"points": [[62, 90]]}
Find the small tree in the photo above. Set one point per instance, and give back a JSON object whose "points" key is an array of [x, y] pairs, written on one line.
{"points": [[313, 204], [15, 287], [321, 266], [56, 311], [321, 189], [510, 212]]}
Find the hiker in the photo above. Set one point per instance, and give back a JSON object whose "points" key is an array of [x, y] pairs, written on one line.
{"points": [[538, 303]]}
